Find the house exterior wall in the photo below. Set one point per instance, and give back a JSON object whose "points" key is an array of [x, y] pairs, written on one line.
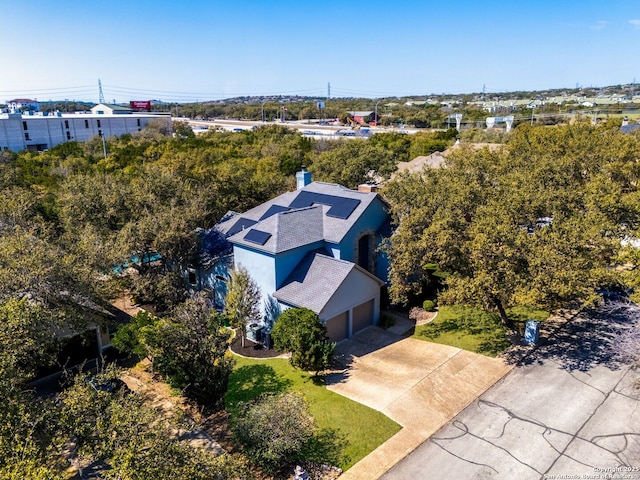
{"points": [[356, 289], [368, 223], [260, 266], [334, 249], [382, 262], [269, 272], [43, 132], [285, 262], [215, 279]]}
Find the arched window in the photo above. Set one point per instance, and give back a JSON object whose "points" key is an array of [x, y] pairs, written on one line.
{"points": [[365, 253]]}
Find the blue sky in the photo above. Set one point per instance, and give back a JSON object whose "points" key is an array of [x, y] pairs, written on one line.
{"points": [[202, 50]]}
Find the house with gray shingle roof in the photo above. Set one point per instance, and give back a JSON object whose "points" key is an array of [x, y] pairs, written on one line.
{"points": [[315, 247]]}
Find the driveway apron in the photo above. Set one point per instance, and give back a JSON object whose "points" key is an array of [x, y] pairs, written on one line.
{"points": [[418, 384]]}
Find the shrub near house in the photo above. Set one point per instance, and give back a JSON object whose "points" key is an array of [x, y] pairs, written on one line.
{"points": [[299, 331]]}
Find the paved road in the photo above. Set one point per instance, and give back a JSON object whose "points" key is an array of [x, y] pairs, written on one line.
{"points": [[302, 125], [569, 410]]}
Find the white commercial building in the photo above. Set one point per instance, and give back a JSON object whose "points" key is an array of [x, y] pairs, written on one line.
{"points": [[39, 131]]}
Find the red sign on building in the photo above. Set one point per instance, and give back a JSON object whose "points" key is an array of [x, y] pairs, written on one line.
{"points": [[141, 105]]}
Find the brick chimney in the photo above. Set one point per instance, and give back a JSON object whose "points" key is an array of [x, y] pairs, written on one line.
{"points": [[368, 187]]}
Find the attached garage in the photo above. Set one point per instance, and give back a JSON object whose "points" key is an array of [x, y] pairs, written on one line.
{"points": [[363, 316], [345, 296], [338, 327]]}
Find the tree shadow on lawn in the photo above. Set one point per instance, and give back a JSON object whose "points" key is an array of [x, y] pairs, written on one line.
{"points": [[589, 339], [251, 381], [327, 446], [485, 334]]}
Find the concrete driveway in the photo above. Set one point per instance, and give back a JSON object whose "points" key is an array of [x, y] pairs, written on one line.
{"points": [[568, 410], [418, 384]]}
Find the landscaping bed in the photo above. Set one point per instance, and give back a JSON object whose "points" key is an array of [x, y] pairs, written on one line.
{"points": [[252, 349]]}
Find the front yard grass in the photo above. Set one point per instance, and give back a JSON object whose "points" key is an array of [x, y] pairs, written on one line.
{"points": [[474, 329], [364, 428]]}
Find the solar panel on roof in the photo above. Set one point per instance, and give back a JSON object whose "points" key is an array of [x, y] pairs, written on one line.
{"points": [[240, 225], [257, 236], [341, 207], [273, 209]]}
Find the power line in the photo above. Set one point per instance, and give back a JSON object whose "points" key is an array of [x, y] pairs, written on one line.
{"points": [[81, 87]]}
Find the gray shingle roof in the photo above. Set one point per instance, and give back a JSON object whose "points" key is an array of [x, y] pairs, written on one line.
{"points": [[314, 281], [288, 230], [301, 226]]}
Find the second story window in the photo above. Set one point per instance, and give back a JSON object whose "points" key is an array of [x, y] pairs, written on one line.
{"points": [[24, 125]]}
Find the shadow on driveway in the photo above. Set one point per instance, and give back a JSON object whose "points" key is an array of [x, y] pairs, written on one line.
{"points": [[363, 343], [591, 338]]}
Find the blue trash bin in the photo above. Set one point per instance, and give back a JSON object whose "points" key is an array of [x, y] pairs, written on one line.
{"points": [[532, 332]]}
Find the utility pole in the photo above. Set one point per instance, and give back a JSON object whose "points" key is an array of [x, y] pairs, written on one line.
{"points": [[104, 145], [328, 89], [375, 113], [533, 108], [100, 94]]}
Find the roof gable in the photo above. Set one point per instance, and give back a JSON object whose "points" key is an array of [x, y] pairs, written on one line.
{"points": [[284, 231], [316, 279]]}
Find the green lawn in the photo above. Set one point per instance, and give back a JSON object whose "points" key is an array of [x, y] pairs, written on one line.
{"points": [[364, 427], [474, 329]]}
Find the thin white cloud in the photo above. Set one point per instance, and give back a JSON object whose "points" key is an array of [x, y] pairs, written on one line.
{"points": [[599, 25], [635, 22]]}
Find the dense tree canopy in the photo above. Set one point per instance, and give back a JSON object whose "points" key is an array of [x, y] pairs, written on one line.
{"points": [[537, 222]]}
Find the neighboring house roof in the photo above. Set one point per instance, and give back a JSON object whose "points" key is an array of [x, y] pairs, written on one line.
{"points": [[319, 211], [112, 107], [22, 100], [438, 159], [416, 165], [316, 279]]}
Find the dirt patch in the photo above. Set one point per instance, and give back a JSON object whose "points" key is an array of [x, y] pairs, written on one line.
{"points": [[159, 395], [218, 426]]}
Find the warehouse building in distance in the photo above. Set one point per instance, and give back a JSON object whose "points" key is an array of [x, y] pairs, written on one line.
{"points": [[39, 131]]}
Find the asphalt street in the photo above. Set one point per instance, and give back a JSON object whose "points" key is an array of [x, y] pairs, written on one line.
{"points": [[568, 410]]}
